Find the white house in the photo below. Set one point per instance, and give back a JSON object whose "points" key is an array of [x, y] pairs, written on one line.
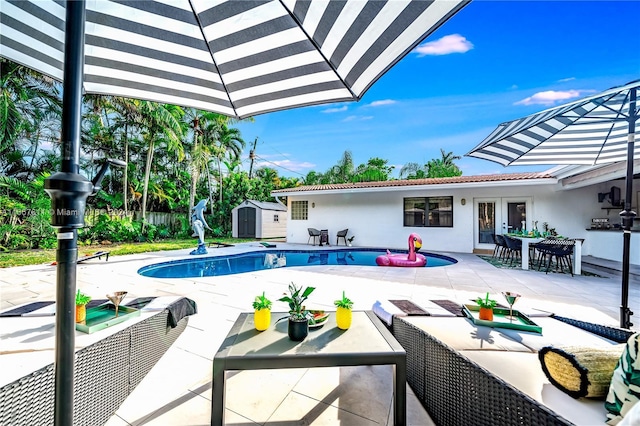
{"points": [[258, 219], [461, 214]]}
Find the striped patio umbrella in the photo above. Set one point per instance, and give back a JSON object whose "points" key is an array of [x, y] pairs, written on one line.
{"points": [[594, 130], [236, 57]]}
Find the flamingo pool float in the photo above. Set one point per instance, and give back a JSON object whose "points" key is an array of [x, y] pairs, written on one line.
{"points": [[411, 260]]}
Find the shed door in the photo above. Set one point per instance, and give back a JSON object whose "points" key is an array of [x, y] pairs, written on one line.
{"points": [[246, 222]]}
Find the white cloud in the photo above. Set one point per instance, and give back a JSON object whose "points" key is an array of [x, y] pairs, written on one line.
{"points": [[333, 110], [357, 118], [382, 103], [550, 97], [454, 43], [564, 80]]}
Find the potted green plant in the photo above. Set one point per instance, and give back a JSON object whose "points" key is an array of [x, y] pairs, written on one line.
{"points": [[298, 327], [81, 306], [343, 312], [486, 307], [262, 312]]}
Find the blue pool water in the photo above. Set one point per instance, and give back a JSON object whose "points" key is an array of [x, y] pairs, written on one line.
{"points": [[270, 259]]}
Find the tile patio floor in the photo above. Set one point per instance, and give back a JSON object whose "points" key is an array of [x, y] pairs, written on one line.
{"points": [[178, 389]]}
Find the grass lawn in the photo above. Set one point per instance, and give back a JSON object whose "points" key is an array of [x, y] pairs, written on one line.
{"points": [[35, 257]]}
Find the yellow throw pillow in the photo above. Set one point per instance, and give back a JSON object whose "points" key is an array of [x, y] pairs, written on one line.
{"points": [[580, 371]]}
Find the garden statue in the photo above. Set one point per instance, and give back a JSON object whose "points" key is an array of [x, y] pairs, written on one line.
{"points": [[198, 223]]}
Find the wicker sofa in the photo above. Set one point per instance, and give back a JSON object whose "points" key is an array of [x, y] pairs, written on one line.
{"points": [[457, 390], [106, 372]]}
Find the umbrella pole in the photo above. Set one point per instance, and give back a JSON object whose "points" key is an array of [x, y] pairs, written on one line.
{"points": [[628, 215], [68, 191]]}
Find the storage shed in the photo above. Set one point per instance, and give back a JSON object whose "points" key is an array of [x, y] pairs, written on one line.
{"points": [[259, 219]]}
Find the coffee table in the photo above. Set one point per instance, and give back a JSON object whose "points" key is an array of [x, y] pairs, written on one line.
{"points": [[366, 342]]}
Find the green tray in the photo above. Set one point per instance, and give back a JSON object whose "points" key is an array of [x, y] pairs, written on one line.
{"points": [[103, 316], [501, 320]]}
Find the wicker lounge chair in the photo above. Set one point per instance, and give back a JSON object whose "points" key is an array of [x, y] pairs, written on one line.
{"points": [[455, 390], [106, 372]]}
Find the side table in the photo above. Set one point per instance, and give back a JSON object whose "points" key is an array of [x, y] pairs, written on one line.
{"points": [[367, 342]]}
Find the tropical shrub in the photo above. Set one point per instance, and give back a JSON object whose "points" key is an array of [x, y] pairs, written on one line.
{"points": [[25, 214], [109, 229]]}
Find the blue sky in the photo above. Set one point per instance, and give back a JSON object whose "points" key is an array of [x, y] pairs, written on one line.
{"points": [[492, 62]]}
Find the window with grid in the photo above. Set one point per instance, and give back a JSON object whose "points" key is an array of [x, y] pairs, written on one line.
{"points": [[428, 211], [299, 210], [276, 218]]}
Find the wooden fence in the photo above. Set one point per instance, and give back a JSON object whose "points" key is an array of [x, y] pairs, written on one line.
{"points": [[155, 218]]}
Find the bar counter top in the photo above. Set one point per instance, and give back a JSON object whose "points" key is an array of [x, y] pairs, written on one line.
{"points": [[634, 229]]}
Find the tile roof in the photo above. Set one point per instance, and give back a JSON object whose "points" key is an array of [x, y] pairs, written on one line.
{"points": [[417, 182]]}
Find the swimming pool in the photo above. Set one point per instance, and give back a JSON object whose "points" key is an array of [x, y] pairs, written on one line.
{"points": [[270, 259]]}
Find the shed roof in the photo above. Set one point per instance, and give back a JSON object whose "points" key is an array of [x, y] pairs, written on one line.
{"points": [[265, 205]]}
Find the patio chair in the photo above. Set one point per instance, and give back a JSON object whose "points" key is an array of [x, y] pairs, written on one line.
{"points": [[562, 250], [501, 246], [98, 254], [514, 247], [342, 234], [313, 233]]}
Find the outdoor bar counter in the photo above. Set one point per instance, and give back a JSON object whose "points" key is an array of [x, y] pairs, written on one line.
{"points": [[110, 363], [607, 244]]}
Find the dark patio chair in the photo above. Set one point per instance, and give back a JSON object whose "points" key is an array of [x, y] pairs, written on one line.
{"points": [[342, 234], [500, 247], [561, 250], [504, 248], [514, 247], [313, 233]]}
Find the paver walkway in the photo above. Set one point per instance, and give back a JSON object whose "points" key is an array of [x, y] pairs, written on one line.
{"points": [[178, 389]]}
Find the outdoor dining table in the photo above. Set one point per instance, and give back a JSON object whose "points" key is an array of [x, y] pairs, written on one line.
{"points": [[366, 342], [527, 241]]}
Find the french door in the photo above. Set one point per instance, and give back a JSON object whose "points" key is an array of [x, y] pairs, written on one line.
{"points": [[499, 216]]}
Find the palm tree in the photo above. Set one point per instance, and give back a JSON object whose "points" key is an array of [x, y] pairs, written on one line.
{"points": [[162, 127], [376, 170], [129, 118], [413, 171], [343, 170], [437, 167], [26, 99], [200, 122], [313, 178], [444, 166], [229, 142]]}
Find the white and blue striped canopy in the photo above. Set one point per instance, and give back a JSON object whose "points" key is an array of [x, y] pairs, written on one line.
{"points": [[592, 130], [235, 57]]}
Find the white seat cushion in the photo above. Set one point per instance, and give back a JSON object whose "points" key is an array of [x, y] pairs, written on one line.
{"points": [[556, 333], [460, 334], [522, 370]]}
